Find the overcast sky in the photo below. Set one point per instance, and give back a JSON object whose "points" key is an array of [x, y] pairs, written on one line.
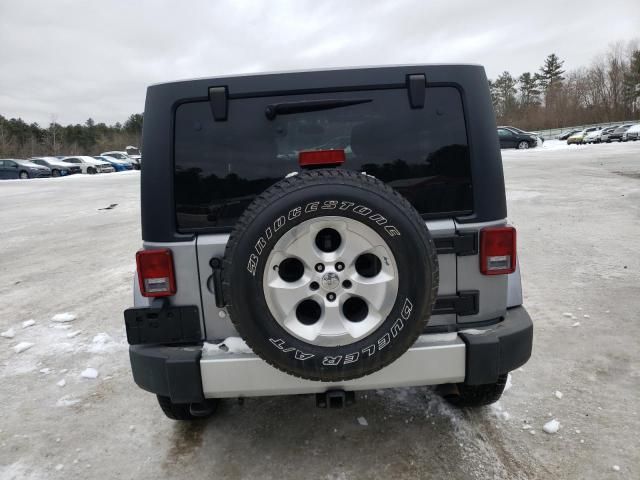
{"points": [[78, 59]]}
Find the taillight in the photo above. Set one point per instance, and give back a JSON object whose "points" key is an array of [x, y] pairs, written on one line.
{"points": [[155, 273], [497, 250], [324, 158]]}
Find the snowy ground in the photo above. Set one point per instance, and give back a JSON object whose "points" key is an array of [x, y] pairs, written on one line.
{"points": [[71, 410]]}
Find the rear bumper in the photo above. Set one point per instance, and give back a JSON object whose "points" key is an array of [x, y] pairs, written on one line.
{"points": [[472, 356]]}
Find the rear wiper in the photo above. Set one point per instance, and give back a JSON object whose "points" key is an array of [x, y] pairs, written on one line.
{"points": [[287, 108]]}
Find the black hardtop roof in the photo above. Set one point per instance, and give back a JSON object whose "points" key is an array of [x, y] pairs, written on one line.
{"points": [[323, 79], [337, 71]]}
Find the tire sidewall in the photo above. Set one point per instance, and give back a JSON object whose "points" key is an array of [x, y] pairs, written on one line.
{"points": [[410, 312]]}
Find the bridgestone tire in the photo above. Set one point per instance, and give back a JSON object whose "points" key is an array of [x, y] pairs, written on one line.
{"points": [[319, 194]]}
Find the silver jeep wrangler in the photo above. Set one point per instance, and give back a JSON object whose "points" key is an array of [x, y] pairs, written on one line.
{"points": [[324, 232]]}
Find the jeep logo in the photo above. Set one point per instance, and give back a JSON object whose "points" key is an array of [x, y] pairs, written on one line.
{"points": [[330, 281]]}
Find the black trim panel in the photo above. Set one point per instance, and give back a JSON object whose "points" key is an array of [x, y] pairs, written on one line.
{"points": [[166, 325], [464, 303], [461, 244], [454, 327]]}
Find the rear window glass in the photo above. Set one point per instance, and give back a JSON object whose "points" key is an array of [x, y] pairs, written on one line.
{"points": [[221, 166]]}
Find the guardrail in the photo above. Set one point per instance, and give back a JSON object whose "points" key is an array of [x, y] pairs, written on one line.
{"points": [[554, 133]]}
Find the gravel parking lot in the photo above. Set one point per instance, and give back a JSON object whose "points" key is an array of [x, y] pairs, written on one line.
{"points": [[577, 210]]}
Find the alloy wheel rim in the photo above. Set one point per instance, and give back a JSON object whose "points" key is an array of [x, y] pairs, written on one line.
{"points": [[330, 281]]}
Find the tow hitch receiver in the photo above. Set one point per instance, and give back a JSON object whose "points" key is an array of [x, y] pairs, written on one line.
{"points": [[335, 399]]}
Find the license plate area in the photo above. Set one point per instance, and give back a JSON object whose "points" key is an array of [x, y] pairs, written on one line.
{"points": [[167, 325]]}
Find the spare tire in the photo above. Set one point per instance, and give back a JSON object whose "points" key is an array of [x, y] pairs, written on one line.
{"points": [[330, 275]]}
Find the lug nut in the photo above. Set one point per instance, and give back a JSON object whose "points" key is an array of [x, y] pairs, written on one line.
{"points": [[347, 284], [314, 286], [331, 296], [339, 266], [319, 267]]}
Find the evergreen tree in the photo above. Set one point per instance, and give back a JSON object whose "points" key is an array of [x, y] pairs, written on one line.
{"points": [[133, 123], [505, 91], [551, 72], [529, 91], [632, 81]]}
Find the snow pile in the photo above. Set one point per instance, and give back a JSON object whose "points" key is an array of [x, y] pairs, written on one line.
{"points": [[551, 426], [74, 333], [576, 324], [45, 371], [61, 383], [61, 327], [67, 401], [568, 314], [63, 317], [363, 421], [229, 345], [474, 331], [10, 333], [499, 412], [508, 385], [22, 346], [616, 468], [102, 343], [28, 323], [89, 373], [558, 394]]}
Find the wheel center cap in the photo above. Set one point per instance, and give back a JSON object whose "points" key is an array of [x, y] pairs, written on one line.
{"points": [[330, 281]]}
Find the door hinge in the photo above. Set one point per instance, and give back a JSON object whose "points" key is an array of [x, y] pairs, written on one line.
{"points": [[218, 100], [417, 89], [216, 266]]}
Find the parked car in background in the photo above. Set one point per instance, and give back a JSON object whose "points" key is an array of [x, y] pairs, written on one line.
{"points": [[593, 136], [564, 136], [57, 166], [89, 164], [632, 133], [14, 168], [539, 139], [616, 135], [134, 153], [122, 156], [604, 135], [511, 139], [580, 136], [119, 165]]}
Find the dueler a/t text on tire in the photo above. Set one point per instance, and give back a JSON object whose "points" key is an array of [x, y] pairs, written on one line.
{"points": [[330, 275]]}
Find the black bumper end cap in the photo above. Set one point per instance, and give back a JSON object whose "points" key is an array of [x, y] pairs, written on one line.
{"points": [[168, 371], [503, 348]]}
